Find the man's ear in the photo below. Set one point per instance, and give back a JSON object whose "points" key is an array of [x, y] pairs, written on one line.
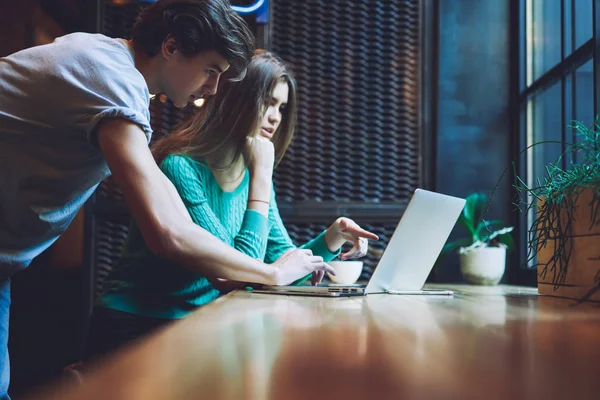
{"points": [[168, 47]]}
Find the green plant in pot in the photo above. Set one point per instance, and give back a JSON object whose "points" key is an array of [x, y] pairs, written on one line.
{"points": [[483, 252], [564, 238]]}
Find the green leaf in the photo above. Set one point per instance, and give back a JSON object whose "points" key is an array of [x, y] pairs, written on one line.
{"points": [[493, 237], [453, 246], [484, 225], [473, 212], [507, 240], [468, 225]]}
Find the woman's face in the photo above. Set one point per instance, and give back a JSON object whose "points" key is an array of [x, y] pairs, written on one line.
{"points": [[272, 118]]}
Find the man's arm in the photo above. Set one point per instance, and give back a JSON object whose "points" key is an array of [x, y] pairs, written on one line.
{"points": [[165, 223]]}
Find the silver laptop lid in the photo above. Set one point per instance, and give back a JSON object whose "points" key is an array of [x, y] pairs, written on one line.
{"points": [[417, 242]]}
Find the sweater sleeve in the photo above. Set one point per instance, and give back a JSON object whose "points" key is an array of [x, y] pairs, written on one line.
{"points": [[279, 240], [252, 236]]}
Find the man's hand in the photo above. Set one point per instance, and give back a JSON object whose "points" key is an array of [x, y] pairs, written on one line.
{"points": [[296, 263]]}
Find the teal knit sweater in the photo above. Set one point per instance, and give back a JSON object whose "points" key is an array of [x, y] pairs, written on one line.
{"points": [[146, 285]]}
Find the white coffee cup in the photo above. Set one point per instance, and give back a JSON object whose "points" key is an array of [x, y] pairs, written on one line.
{"points": [[347, 272]]}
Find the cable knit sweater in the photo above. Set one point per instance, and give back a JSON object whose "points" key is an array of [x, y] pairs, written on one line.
{"points": [[146, 285]]}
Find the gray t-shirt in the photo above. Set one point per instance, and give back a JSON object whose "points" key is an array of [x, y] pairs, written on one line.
{"points": [[51, 99]]}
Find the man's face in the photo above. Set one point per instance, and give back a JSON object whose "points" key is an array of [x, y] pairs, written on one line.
{"points": [[187, 78]]}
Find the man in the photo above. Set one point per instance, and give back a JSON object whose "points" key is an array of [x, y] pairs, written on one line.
{"points": [[76, 110]]}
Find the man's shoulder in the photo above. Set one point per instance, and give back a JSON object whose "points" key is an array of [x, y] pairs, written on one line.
{"points": [[85, 43], [98, 58], [97, 49], [104, 66], [94, 46]]}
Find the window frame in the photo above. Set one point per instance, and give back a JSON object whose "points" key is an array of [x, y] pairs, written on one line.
{"points": [[527, 88]]}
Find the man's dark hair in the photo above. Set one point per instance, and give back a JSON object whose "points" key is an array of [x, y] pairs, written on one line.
{"points": [[196, 26]]}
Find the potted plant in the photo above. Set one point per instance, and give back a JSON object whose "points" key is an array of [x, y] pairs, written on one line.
{"points": [[564, 239], [483, 252]]}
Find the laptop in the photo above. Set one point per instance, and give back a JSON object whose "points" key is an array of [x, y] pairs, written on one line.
{"points": [[409, 256]]}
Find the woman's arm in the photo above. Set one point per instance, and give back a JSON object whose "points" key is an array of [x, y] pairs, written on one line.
{"points": [[261, 162], [327, 244], [279, 242], [279, 239]]}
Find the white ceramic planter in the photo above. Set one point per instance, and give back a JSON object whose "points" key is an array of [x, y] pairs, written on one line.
{"points": [[483, 265]]}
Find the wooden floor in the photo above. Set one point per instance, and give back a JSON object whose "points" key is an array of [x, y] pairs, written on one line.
{"points": [[482, 343]]}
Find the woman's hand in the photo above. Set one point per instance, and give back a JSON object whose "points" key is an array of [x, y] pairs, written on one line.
{"points": [[345, 230], [262, 154]]}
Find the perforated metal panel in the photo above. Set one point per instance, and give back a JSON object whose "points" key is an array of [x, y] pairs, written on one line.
{"points": [[117, 20], [357, 69], [357, 144], [110, 235]]}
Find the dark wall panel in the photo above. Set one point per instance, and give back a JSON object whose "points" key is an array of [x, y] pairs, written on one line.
{"points": [[473, 126], [357, 68]]}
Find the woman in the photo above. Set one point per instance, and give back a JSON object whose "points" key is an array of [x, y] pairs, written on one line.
{"points": [[221, 163]]}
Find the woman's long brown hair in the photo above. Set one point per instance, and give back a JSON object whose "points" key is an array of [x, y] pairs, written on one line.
{"points": [[223, 124]]}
